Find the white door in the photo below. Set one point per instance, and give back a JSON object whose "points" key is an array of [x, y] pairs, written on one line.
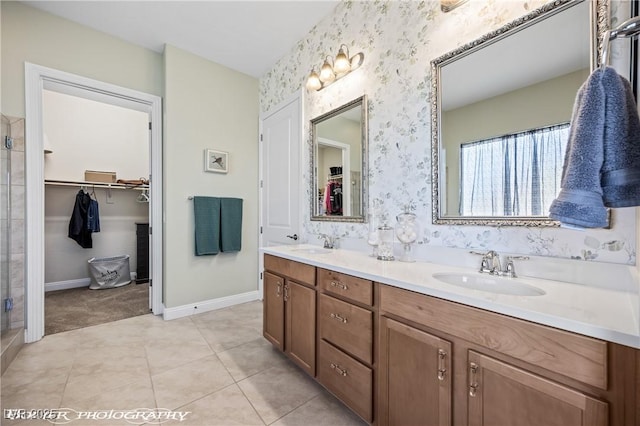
{"points": [[280, 173]]}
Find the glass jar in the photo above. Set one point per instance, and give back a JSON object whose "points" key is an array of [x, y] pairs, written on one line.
{"points": [[372, 236], [385, 243], [407, 234]]}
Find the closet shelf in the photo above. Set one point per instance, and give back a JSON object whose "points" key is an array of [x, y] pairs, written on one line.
{"points": [[78, 183]]}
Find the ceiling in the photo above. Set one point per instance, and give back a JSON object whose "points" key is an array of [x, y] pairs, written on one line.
{"points": [[247, 36]]}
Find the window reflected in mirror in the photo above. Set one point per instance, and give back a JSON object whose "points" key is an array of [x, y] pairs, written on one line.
{"points": [[500, 110]]}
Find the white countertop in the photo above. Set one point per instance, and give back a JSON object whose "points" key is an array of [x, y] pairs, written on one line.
{"points": [[592, 311]]}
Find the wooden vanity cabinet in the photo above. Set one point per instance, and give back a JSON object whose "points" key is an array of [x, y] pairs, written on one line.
{"points": [[501, 370], [273, 310], [501, 394], [397, 357], [415, 377], [346, 324], [289, 317]]}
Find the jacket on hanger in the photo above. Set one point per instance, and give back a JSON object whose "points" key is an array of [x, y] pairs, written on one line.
{"points": [[79, 230]]}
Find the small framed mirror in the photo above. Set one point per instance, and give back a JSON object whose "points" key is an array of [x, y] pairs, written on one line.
{"points": [[338, 161], [501, 107]]}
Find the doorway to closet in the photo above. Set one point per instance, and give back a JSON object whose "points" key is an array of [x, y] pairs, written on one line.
{"points": [[41, 82], [96, 156]]}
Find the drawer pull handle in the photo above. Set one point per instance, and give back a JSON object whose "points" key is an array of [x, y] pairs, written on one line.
{"points": [[279, 289], [339, 285], [442, 368], [286, 293], [339, 318], [339, 370], [473, 383]]}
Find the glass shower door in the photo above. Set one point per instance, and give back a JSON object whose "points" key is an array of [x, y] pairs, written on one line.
{"points": [[5, 229]]}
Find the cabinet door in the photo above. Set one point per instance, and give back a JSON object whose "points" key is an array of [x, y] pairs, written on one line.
{"points": [[300, 341], [273, 316], [415, 376], [501, 394]]}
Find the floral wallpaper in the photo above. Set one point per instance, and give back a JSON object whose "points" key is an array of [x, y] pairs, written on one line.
{"points": [[399, 39]]}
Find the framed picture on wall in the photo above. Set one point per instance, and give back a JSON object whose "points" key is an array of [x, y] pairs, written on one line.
{"points": [[216, 161]]}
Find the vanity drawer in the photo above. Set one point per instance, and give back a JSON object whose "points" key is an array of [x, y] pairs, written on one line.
{"points": [[578, 357], [346, 378], [346, 326], [347, 286], [297, 271]]}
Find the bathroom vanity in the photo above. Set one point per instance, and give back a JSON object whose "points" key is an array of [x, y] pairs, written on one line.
{"points": [[399, 347]]}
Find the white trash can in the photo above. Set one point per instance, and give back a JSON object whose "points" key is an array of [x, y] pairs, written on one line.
{"points": [[109, 272]]}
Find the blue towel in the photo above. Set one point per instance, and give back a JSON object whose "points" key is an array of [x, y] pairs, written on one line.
{"points": [[602, 162], [207, 221], [231, 224]]}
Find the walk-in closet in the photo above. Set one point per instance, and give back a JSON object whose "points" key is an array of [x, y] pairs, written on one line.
{"points": [[96, 171]]}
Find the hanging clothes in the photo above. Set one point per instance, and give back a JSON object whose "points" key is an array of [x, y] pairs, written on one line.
{"points": [[93, 216], [78, 225], [333, 198], [336, 199]]}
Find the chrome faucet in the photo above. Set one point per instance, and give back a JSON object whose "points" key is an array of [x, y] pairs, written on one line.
{"points": [[510, 270], [491, 264], [330, 241]]}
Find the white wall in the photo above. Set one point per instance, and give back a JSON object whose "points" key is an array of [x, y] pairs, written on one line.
{"points": [[64, 258], [38, 37], [91, 135], [208, 106]]}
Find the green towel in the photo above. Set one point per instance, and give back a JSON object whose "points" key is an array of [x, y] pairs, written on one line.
{"points": [[207, 215], [231, 224]]}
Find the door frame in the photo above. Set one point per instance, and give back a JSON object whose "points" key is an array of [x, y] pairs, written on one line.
{"points": [[38, 78], [296, 96]]}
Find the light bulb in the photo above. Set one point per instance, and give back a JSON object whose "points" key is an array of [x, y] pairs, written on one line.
{"points": [[342, 65], [313, 82], [326, 73]]}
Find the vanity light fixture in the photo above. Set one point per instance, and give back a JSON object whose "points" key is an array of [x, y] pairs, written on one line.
{"points": [[333, 70], [327, 75], [449, 5]]}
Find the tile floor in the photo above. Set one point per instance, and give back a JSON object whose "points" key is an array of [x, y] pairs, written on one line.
{"points": [[215, 365]]}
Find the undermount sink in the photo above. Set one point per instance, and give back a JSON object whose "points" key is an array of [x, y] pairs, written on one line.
{"points": [[489, 283], [318, 250]]}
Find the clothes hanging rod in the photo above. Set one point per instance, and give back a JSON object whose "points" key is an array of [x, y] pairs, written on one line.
{"points": [[629, 28], [80, 184]]}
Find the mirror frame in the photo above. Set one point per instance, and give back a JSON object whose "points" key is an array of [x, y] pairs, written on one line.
{"points": [[599, 16], [364, 125]]}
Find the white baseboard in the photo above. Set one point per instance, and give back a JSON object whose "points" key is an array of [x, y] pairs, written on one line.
{"points": [[209, 305], [80, 282]]}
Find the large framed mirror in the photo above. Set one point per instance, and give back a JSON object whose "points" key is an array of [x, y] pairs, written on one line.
{"points": [[339, 163], [501, 107]]}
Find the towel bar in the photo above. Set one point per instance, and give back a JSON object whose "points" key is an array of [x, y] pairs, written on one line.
{"points": [[629, 28]]}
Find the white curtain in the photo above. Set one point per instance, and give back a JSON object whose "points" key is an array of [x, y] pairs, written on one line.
{"points": [[512, 175]]}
